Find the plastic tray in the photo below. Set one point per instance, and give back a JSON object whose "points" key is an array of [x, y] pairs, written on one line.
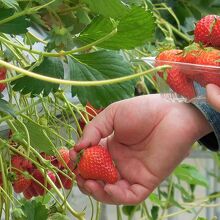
{"points": [[193, 72]]}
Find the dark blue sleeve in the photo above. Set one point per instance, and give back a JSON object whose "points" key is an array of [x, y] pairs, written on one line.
{"points": [[212, 140]]}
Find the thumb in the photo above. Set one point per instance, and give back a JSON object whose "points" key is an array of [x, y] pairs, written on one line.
{"points": [[213, 96], [100, 127]]}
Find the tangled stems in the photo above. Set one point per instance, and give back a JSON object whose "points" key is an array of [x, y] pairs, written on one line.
{"points": [[82, 83], [61, 53], [79, 216], [24, 12]]}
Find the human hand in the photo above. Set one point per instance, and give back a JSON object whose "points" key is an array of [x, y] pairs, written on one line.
{"points": [[147, 138], [213, 96]]}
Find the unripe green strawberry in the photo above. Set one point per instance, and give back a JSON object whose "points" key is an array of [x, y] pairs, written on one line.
{"points": [[21, 183], [96, 163], [204, 28]]}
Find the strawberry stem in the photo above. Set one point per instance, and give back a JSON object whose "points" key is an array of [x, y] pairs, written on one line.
{"points": [[82, 83]]}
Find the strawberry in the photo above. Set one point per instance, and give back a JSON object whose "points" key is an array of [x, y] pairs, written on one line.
{"points": [[30, 191], [27, 194], [215, 35], [20, 163], [190, 54], [21, 183], [91, 112], [67, 183], [96, 163], [204, 28], [168, 55], [3, 71], [210, 57], [40, 178], [63, 157], [177, 80], [52, 176]]}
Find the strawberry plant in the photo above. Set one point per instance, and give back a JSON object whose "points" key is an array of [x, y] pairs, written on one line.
{"points": [[61, 63]]}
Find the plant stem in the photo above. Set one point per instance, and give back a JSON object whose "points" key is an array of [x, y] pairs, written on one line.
{"points": [[5, 186], [20, 112], [61, 53], [82, 83], [119, 217], [24, 12]]}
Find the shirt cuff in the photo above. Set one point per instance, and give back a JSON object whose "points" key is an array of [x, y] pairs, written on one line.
{"points": [[212, 140]]}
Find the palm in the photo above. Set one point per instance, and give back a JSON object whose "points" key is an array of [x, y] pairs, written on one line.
{"points": [[150, 138]]}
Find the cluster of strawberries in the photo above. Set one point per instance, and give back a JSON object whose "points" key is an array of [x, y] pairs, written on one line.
{"points": [[32, 182], [203, 52]]}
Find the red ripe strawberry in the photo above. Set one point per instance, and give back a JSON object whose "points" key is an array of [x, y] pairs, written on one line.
{"points": [[210, 57], [52, 176], [203, 29], [27, 194], [21, 183], [91, 112], [177, 80], [96, 163], [21, 163], [67, 182], [3, 71], [40, 178], [30, 191], [173, 55], [215, 34], [63, 157], [180, 84]]}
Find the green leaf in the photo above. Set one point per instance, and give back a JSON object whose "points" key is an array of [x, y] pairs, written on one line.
{"points": [[16, 26], [154, 198], [51, 67], [38, 137], [17, 214], [133, 30], [10, 3], [107, 8], [6, 108], [58, 216], [155, 212], [100, 65], [185, 194], [190, 174], [130, 209], [34, 210]]}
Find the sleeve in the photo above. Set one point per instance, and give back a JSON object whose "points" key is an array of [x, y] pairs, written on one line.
{"points": [[212, 140]]}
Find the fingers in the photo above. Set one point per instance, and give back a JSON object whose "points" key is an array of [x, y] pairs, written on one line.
{"points": [[213, 96], [100, 127], [120, 193]]}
